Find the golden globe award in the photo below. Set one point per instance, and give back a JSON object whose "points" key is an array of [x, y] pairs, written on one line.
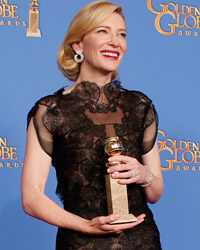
{"points": [[33, 29], [117, 197]]}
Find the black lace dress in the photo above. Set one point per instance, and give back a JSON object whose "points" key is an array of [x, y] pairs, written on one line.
{"points": [[72, 129]]}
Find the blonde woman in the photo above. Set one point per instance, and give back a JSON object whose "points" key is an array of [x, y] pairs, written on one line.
{"points": [[68, 130]]}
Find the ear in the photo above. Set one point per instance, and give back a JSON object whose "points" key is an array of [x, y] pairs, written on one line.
{"points": [[76, 46]]}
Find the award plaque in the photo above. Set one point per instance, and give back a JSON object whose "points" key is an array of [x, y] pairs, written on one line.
{"points": [[33, 29], [117, 197]]}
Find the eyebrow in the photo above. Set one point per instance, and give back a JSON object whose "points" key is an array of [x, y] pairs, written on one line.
{"points": [[108, 27]]}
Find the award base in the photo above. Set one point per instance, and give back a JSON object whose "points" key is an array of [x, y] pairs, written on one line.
{"points": [[117, 200], [125, 218], [35, 33]]}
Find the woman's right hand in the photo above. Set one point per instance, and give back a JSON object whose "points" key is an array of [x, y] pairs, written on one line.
{"points": [[101, 225]]}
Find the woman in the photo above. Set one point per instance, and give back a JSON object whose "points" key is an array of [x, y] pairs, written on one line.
{"points": [[69, 128]]}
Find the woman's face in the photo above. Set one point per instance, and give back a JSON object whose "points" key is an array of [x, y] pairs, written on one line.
{"points": [[105, 46]]}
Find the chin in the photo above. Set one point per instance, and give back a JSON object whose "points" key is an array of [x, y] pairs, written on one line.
{"points": [[111, 69]]}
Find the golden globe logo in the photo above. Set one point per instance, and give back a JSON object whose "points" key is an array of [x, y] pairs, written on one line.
{"points": [[182, 18], [9, 15], [8, 155], [7, 10], [180, 155]]}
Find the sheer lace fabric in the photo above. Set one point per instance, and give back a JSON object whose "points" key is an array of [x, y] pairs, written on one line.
{"points": [[72, 129]]}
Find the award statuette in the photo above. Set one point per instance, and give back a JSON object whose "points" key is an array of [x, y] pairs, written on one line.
{"points": [[33, 29], [117, 197]]}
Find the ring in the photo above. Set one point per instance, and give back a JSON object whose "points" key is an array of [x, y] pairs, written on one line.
{"points": [[133, 173]]}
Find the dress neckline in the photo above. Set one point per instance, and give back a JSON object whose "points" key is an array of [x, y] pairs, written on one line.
{"points": [[91, 91]]}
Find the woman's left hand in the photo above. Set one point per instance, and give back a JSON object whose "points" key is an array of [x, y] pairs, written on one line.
{"points": [[129, 171]]}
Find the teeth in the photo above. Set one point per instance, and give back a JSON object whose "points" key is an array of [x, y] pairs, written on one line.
{"points": [[109, 54]]}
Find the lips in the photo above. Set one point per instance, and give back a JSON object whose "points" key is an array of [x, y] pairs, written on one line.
{"points": [[111, 54]]}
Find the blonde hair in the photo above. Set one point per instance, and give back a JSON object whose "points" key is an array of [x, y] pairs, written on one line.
{"points": [[87, 19]]}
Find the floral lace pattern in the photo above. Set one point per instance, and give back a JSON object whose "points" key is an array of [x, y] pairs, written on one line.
{"points": [[72, 129]]}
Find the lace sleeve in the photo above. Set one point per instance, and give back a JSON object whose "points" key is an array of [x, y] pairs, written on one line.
{"points": [[44, 134], [150, 128]]}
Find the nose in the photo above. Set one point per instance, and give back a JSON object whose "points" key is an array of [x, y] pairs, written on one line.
{"points": [[113, 41]]}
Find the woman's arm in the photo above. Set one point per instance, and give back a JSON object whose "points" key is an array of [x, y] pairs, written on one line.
{"points": [[34, 176], [35, 203], [153, 191]]}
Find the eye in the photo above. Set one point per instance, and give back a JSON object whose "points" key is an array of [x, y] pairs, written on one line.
{"points": [[122, 34], [104, 31]]}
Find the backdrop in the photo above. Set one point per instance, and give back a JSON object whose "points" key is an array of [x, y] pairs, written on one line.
{"points": [[162, 61]]}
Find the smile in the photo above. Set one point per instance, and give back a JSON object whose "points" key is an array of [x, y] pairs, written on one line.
{"points": [[110, 54]]}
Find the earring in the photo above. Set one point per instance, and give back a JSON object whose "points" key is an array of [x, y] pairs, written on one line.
{"points": [[79, 57]]}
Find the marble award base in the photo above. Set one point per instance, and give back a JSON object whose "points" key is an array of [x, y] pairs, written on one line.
{"points": [[34, 34], [117, 200]]}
